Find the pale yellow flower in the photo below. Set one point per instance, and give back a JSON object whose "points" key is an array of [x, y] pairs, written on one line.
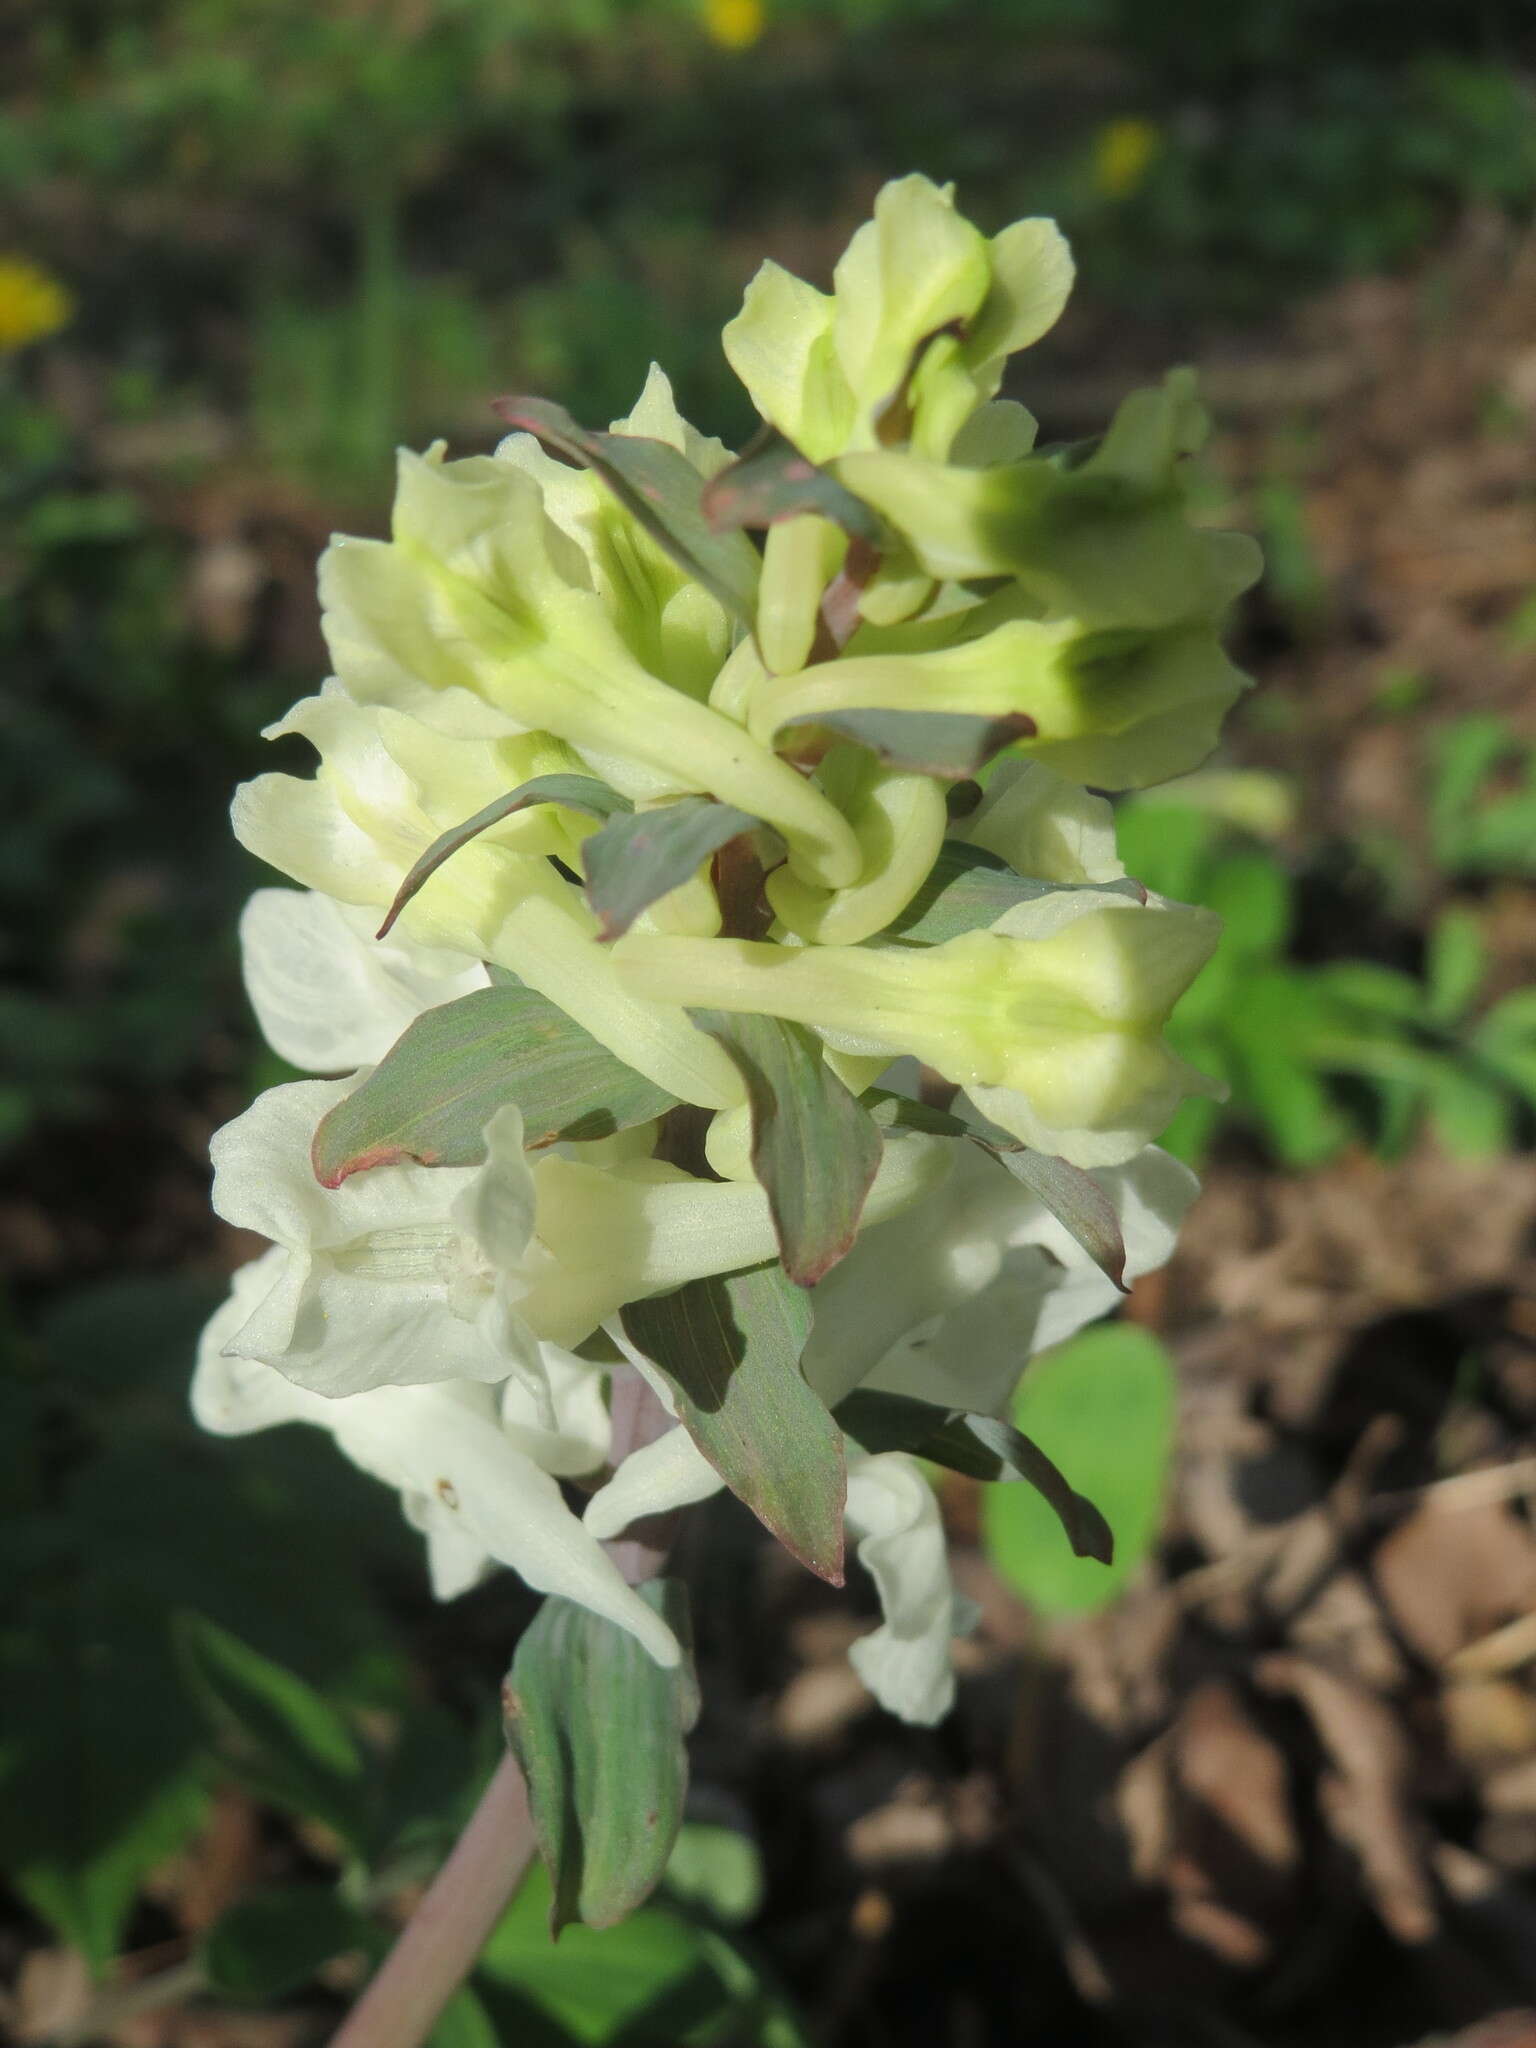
{"points": [[734, 24], [1123, 151], [33, 302]]}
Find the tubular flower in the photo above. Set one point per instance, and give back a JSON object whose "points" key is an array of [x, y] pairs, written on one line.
{"points": [[1053, 1018], [687, 782]]}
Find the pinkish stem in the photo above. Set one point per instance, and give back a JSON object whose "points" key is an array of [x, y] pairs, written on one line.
{"points": [[440, 1943]]}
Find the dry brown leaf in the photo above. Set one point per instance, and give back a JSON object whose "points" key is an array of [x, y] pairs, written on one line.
{"points": [[1489, 1722], [1367, 1797], [1450, 1575]]}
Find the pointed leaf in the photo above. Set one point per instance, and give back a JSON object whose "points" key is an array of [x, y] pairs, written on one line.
{"points": [[729, 1348], [951, 744], [660, 489], [775, 481], [1077, 1202], [632, 861], [814, 1149], [1457, 961], [285, 1741], [970, 888], [432, 1095], [979, 1446], [597, 1727], [575, 792]]}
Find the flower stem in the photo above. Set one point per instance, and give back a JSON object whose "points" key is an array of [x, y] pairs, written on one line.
{"points": [[437, 1950]]}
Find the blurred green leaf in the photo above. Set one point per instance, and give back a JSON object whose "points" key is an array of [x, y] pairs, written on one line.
{"points": [[465, 2023], [1101, 1406], [718, 1869], [1252, 894], [650, 1982], [274, 1940], [1457, 961], [282, 1739], [84, 1878], [1471, 1116]]}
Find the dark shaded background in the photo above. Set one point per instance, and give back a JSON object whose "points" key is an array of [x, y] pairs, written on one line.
{"points": [[284, 238]]}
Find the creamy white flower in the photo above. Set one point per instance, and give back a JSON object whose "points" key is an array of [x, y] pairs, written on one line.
{"points": [[386, 788], [993, 1280], [472, 1465], [402, 1276], [945, 1302], [409, 1274], [1044, 826], [893, 1516], [893, 1513], [327, 994]]}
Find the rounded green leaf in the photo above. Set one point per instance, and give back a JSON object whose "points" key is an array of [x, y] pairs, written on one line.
{"points": [[1102, 1408]]}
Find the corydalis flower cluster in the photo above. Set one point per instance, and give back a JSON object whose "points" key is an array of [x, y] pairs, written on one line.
{"points": [[457, 1327]]}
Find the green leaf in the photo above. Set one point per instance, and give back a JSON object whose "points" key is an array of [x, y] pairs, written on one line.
{"points": [[437, 1087], [1362, 986], [949, 744], [633, 861], [1077, 1202], [893, 1112], [660, 489], [1471, 1116], [1465, 755], [465, 2023], [1102, 1406], [274, 1940], [774, 481], [85, 1889], [729, 1347], [981, 1447], [1510, 1025], [1251, 893], [623, 1983], [969, 889], [717, 1869], [814, 1149], [598, 1727], [284, 1741], [1455, 965], [1168, 845], [574, 792]]}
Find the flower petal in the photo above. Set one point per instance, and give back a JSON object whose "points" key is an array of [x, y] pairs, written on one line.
{"points": [[327, 995], [672, 1472], [906, 1662]]}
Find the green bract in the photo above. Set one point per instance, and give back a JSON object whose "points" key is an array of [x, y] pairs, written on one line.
{"points": [[675, 815]]}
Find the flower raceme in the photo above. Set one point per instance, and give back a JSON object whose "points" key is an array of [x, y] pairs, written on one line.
{"points": [[679, 841]]}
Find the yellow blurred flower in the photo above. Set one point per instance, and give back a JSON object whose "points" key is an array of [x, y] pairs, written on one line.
{"points": [[1122, 155], [734, 24], [33, 302]]}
